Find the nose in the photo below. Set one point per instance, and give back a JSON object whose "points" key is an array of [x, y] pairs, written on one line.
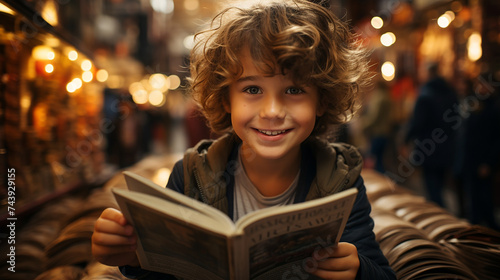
{"points": [[273, 106]]}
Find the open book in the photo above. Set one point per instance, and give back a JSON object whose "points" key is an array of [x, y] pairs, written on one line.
{"points": [[184, 237]]}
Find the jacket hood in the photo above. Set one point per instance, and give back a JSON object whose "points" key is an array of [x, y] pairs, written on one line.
{"points": [[338, 165]]}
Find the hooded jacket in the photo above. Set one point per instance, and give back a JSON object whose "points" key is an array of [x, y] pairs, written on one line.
{"points": [[209, 170], [206, 173]]}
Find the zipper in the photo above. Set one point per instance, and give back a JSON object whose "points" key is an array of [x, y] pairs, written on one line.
{"points": [[345, 184], [197, 179]]}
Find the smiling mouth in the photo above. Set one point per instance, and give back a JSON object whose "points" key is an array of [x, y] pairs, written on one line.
{"points": [[272, 132]]}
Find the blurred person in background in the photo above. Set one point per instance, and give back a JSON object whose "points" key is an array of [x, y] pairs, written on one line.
{"points": [[478, 150], [431, 137], [128, 128], [377, 123]]}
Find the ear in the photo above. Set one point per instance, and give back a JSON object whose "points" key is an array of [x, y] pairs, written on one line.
{"points": [[227, 106]]}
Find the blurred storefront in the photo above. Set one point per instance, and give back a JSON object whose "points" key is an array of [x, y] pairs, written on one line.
{"points": [[462, 36], [51, 109], [88, 87]]}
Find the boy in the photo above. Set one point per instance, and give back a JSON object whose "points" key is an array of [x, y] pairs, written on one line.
{"points": [[274, 77]]}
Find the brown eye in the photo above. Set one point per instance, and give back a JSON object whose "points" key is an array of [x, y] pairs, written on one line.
{"points": [[252, 90], [294, 90]]}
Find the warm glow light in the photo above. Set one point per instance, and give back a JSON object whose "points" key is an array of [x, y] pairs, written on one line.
{"points": [[161, 176], [475, 52], [102, 75], [49, 68], [5, 9], [140, 96], [443, 21], [175, 81], [377, 22], [188, 42], [388, 39], [156, 98], [86, 65], [77, 82], [450, 15], [71, 87], [191, 5], [87, 76], [52, 42], [72, 55], [475, 38], [136, 86], [162, 6], [145, 84], [49, 12], [159, 81], [25, 102], [51, 55], [474, 49], [42, 53], [388, 71]]}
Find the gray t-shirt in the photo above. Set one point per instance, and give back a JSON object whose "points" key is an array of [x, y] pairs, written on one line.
{"points": [[248, 199]]}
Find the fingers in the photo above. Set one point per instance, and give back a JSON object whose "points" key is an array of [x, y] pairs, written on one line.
{"points": [[113, 215], [111, 229], [107, 239], [337, 268], [339, 262], [109, 226], [342, 249], [113, 240], [100, 250], [113, 221]]}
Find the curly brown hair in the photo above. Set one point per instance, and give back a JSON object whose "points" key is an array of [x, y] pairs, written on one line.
{"points": [[301, 38]]}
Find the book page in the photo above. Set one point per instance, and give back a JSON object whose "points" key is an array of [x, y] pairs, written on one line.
{"points": [[168, 242], [281, 245], [143, 185]]}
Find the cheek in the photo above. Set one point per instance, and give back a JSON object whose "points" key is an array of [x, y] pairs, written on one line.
{"points": [[307, 120], [241, 107], [239, 113], [307, 112]]}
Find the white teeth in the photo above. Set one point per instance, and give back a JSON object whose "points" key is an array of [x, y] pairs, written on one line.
{"points": [[272, 132]]}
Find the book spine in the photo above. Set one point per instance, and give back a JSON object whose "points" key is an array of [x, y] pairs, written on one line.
{"points": [[238, 256]]}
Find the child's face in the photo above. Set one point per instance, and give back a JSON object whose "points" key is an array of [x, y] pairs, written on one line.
{"points": [[271, 114]]}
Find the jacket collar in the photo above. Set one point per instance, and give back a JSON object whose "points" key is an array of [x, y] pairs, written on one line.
{"points": [[327, 168]]}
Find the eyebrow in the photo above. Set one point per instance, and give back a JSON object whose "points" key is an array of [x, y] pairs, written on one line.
{"points": [[247, 78]]}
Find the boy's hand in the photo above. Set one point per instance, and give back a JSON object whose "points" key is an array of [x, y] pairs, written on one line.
{"points": [[114, 241], [340, 262]]}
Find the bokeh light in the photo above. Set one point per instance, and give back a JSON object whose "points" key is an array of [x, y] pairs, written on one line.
{"points": [[156, 98], [49, 68], [175, 81], [86, 65], [377, 22], [102, 75], [387, 39], [388, 71]]}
